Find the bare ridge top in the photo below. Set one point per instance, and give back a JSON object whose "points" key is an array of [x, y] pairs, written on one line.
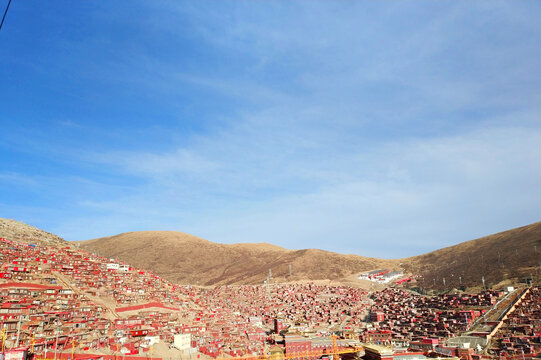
{"points": [[188, 259], [18, 231], [171, 236]]}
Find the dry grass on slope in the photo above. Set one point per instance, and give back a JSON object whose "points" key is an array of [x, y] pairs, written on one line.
{"points": [[188, 259], [21, 232], [515, 253]]}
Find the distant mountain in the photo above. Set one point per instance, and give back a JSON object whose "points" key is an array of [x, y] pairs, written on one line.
{"points": [[510, 254], [21, 232], [186, 258]]}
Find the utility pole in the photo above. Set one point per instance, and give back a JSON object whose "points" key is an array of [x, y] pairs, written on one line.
{"points": [[18, 331], [56, 344], [290, 271], [5, 13]]}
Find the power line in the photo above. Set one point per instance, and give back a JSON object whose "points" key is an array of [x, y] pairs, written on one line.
{"points": [[5, 13]]}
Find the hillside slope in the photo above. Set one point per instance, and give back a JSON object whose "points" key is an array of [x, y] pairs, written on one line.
{"points": [[515, 253], [188, 259], [18, 231]]}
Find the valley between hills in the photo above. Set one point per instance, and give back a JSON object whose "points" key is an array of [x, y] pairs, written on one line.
{"points": [[188, 259], [171, 295]]}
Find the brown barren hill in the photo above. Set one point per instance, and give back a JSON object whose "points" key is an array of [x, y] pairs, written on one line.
{"points": [[21, 232], [188, 259], [184, 258], [512, 254]]}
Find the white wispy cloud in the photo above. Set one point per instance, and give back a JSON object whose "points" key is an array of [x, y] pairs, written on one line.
{"points": [[395, 191], [355, 127], [372, 143]]}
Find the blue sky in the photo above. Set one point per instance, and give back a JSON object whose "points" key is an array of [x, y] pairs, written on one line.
{"points": [[383, 129]]}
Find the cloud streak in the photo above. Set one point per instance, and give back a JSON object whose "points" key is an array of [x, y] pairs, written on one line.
{"points": [[353, 127], [410, 195]]}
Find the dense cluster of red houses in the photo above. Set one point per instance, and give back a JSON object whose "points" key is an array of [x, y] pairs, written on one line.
{"points": [[51, 300], [399, 316], [520, 332], [308, 306], [238, 318], [66, 300]]}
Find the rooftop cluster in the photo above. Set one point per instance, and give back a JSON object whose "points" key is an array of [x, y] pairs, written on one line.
{"points": [[63, 299]]}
